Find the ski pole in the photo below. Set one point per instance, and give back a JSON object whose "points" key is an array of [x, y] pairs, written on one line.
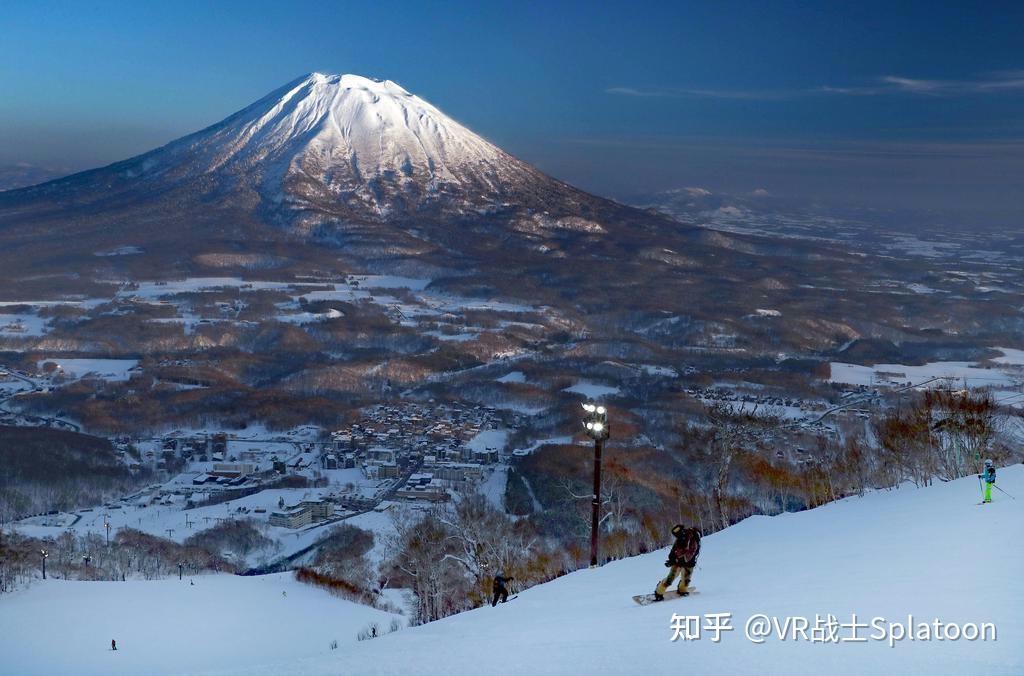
{"points": [[1002, 491]]}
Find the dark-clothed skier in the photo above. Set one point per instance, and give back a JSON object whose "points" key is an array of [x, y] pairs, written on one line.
{"points": [[681, 560], [500, 590], [113, 644]]}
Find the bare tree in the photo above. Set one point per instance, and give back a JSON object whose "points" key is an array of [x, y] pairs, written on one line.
{"points": [[485, 542], [420, 549]]}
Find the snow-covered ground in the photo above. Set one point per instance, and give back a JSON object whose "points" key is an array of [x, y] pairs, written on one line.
{"points": [[592, 390], [931, 553], [108, 369], [22, 324], [542, 442], [1011, 357], [172, 627], [488, 439], [760, 409], [662, 371], [1011, 398], [900, 374], [169, 519], [493, 488]]}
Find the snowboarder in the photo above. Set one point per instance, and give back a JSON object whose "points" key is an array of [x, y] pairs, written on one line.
{"points": [[989, 477], [681, 560], [500, 590], [113, 644]]}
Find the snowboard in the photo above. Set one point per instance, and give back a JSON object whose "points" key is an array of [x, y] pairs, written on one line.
{"points": [[648, 599]]}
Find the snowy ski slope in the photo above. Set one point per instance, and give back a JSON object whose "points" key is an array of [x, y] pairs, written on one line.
{"points": [[932, 553]]}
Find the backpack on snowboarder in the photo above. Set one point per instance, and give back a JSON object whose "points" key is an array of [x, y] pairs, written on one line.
{"points": [[686, 547]]}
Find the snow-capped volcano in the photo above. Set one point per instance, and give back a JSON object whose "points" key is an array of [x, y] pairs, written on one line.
{"points": [[340, 159], [362, 166], [346, 139], [376, 129]]}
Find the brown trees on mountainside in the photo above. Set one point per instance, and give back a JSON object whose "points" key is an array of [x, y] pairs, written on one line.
{"points": [[944, 434]]}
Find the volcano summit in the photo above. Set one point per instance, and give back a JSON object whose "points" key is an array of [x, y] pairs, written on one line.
{"points": [[360, 164]]}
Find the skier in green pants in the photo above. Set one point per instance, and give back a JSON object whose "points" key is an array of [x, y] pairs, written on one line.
{"points": [[989, 477]]}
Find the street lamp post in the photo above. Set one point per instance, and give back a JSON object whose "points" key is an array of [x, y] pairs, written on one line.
{"points": [[180, 566], [106, 524], [595, 422], [42, 555]]}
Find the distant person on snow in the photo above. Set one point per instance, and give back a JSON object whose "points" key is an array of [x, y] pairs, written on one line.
{"points": [[989, 477], [681, 560], [113, 644], [500, 590]]}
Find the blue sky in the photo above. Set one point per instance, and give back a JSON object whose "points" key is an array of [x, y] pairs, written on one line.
{"points": [[898, 100]]}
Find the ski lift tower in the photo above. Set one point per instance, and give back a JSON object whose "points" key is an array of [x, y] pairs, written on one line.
{"points": [[595, 422]]}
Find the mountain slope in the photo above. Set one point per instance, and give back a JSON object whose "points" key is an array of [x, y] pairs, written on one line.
{"points": [[931, 553], [348, 144], [339, 159], [358, 139]]}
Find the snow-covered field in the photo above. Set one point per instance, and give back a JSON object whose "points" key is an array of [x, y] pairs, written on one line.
{"points": [[108, 369], [489, 439], [592, 390], [901, 374], [22, 324], [172, 627], [1011, 357], [493, 488], [662, 371], [932, 553]]}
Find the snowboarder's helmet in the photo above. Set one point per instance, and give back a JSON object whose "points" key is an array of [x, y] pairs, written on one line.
{"points": [[678, 529], [988, 463]]}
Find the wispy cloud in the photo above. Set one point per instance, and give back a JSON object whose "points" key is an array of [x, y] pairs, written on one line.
{"points": [[992, 83], [676, 93]]}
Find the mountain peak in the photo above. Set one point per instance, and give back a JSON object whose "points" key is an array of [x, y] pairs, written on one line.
{"points": [[345, 138], [351, 81], [333, 157]]}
